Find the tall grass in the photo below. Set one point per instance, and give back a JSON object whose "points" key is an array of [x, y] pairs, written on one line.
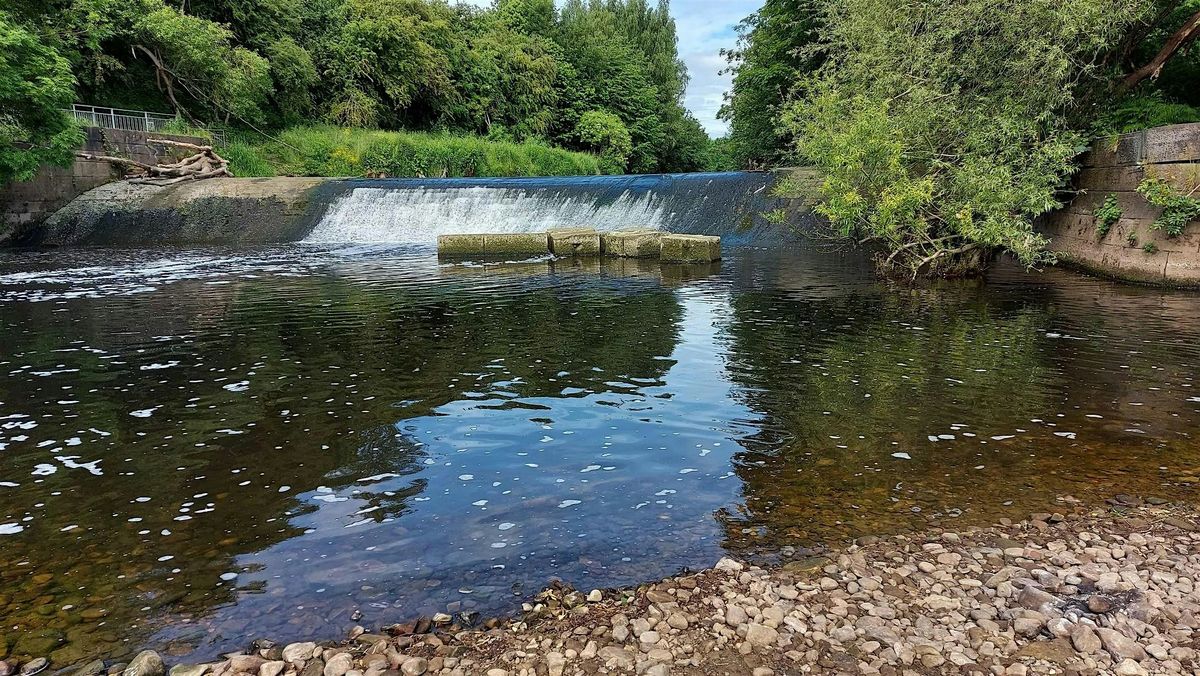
{"points": [[334, 151]]}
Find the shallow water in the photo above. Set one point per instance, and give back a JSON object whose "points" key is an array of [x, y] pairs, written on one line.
{"points": [[200, 447]]}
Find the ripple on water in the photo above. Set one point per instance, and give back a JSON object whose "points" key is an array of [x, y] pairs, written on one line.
{"points": [[222, 442]]}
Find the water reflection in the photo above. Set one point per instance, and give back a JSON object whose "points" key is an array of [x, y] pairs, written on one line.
{"points": [[217, 444]]}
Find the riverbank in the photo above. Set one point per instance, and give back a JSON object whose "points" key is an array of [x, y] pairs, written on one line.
{"points": [[1108, 591], [320, 150]]}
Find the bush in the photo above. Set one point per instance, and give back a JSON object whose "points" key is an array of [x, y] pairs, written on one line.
{"points": [[1142, 112], [933, 139], [336, 151]]}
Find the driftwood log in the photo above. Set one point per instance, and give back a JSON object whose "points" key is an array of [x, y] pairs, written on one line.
{"points": [[205, 163]]}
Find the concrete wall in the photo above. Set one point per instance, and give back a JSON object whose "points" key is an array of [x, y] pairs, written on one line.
{"points": [[1116, 167], [28, 203], [212, 211]]}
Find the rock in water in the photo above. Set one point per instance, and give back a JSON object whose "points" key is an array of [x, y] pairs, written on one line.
{"points": [[147, 663], [34, 666], [93, 668]]}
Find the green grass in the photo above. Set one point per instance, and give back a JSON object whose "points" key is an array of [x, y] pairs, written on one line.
{"points": [[334, 151]]}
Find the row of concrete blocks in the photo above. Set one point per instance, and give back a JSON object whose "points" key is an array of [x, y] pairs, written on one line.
{"points": [[581, 242]]}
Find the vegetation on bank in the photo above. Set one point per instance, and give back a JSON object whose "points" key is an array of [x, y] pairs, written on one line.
{"points": [[602, 77], [335, 151], [944, 128]]}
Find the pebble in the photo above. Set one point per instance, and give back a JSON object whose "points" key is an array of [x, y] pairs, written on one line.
{"points": [[1010, 600], [414, 666]]}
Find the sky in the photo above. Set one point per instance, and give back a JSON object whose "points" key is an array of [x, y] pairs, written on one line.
{"points": [[704, 28]]}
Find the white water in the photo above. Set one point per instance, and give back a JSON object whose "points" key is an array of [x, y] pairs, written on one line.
{"points": [[420, 214]]}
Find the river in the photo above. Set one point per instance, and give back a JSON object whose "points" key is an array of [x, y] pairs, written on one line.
{"points": [[203, 446]]}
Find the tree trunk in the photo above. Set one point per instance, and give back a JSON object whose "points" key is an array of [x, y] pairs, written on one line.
{"points": [[1178, 40]]}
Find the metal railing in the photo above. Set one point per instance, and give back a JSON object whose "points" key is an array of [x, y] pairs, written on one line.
{"points": [[130, 120]]}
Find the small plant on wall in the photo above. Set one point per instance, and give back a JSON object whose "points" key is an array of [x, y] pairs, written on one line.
{"points": [[1132, 239], [1150, 248], [1179, 208], [1107, 215]]}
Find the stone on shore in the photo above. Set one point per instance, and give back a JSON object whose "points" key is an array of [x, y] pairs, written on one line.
{"points": [[147, 663], [1010, 600], [298, 652]]}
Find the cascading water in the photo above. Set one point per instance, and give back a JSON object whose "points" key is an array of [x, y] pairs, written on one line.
{"points": [[418, 210], [415, 211]]}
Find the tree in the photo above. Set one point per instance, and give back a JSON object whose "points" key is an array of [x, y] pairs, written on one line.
{"points": [[529, 17], [685, 143], [607, 72], [35, 85], [294, 75], [506, 82], [942, 131], [774, 49], [1177, 41], [388, 57], [605, 133], [518, 70]]}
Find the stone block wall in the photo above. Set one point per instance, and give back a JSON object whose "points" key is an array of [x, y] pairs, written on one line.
{"points": [[1116, 167], [29, 203]]}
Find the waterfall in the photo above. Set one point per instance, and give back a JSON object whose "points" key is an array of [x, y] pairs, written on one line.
{"points": [[418, 210]]}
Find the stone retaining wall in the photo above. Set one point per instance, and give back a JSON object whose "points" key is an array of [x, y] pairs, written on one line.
{"points": [[1116, 167], [28, 203]]}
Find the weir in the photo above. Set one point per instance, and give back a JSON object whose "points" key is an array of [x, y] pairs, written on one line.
{"points": [[418, 210], [415, 211]]}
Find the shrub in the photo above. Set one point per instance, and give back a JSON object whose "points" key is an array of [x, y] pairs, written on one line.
{"points": [[1107, 215], [934, 141], [1178, 209]]}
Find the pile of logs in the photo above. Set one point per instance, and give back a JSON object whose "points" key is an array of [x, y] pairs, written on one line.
{"points": [[205, 163]]}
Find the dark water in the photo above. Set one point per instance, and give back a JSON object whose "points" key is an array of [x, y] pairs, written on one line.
{"points": [[206, 446]]}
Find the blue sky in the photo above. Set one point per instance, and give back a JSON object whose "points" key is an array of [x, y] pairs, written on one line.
{"points": [[704, 27]]}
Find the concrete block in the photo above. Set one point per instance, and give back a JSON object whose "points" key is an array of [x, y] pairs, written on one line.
{"points": [[691, 247], [631, 243], [575, 242], [460, 245], [519, 243]]}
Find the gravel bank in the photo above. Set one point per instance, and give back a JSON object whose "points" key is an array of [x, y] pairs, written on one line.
{"points": [[1100, 592]]}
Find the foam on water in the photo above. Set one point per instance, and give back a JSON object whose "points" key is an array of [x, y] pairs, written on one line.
{"points": [[419, 215], [416, 211]]}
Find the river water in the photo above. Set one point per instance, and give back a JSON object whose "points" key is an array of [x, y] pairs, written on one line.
{"points": [[203, 446]]}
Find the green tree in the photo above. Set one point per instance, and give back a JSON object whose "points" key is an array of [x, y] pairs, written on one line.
{"points": [[607, 72], [35, 85], [773, 50], [605, 133], [391, 60], [530, 17], [294, 75], [507, 83], [932, 137]]}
